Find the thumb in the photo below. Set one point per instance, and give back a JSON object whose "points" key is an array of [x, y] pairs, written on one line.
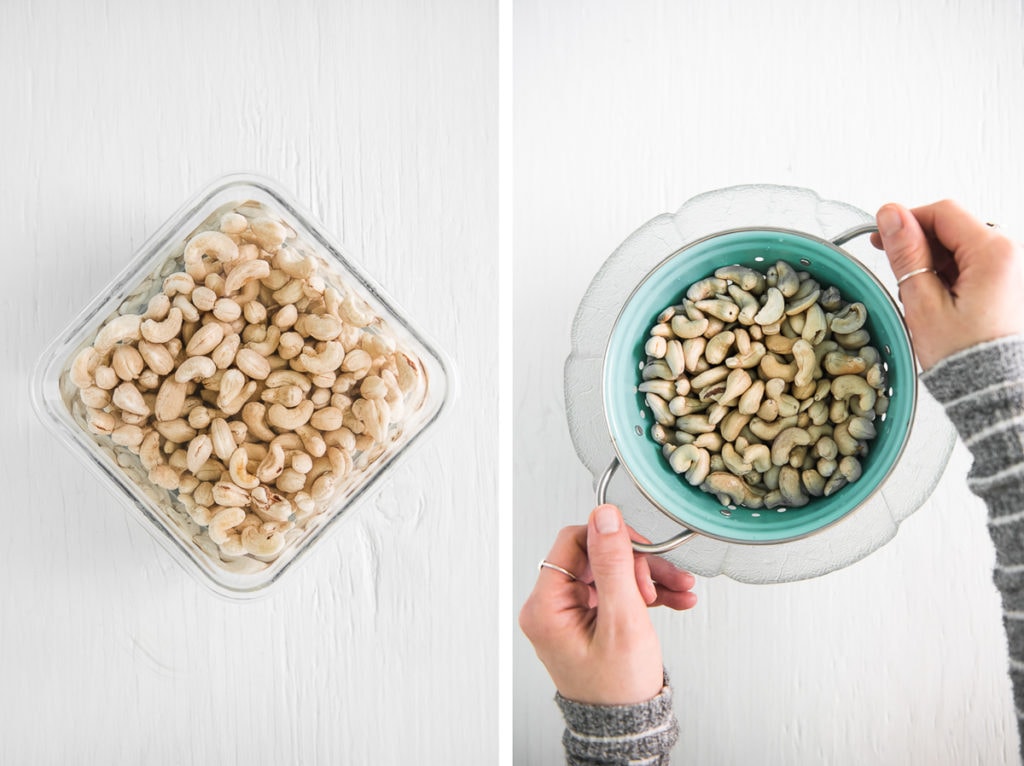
{"points": [[611, 561], [907, 248]]}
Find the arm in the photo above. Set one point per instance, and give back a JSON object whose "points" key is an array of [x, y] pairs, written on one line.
{"points": [[590, 628], [961, 294], [602, 734], [982, 389]]}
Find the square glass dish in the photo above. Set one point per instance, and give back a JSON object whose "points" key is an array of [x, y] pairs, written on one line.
{"points": [[241, 384]]}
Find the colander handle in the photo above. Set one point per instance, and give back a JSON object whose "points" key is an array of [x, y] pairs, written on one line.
{"points": [[665, 547], [859, 230]]}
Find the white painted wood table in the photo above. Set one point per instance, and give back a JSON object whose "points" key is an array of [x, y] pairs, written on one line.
{"points": [[380, 116], [624, 110]]}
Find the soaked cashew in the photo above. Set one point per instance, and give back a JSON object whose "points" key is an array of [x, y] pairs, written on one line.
{"points": [[801, 389]]}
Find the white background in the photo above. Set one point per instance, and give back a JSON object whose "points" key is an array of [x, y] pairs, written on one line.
{"points": [[380, 115], [624, 110]]}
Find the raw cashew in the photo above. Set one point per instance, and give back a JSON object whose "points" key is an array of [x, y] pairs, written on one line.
{"points": [[195, 368], [223, 522], [238, 468], [127, 362], [244, 273], [157, 357], [205, 340], [199, 451], [272, 465], [127, 397], [262, 544], [290, 418], [167, 383], [228, 493], [327, 360], [252, 364], [83, 366], [161, 332], [126, 327], [210, 243]]}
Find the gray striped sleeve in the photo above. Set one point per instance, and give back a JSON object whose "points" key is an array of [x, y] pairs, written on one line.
{"points": [[619, 734], [982, 390]]}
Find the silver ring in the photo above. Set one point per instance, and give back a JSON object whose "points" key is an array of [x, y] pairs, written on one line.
{"points": [[545, 564], [914, 273]]}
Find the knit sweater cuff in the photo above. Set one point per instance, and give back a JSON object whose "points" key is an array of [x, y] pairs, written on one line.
{"points": [[620, 734], [982, 390]]}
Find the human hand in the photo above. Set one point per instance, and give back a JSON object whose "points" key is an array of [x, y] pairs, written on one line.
{"points": [[973, 297], [593, 634]]}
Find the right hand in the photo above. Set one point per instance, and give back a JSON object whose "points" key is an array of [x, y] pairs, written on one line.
{"points": [[977, 291]]}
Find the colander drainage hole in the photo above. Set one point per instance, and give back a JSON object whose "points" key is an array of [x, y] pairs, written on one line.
{"points": [[759, 258], [782, 510], [725, 512], [805, 262], [755, 515], [887, 349], [639, 431]]}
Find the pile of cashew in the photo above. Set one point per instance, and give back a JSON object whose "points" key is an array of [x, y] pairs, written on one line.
{"points": [[253, 385], [764, 387]]}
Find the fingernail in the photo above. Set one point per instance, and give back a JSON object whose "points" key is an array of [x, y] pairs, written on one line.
{"points": [[889, 221], [606, 520]]}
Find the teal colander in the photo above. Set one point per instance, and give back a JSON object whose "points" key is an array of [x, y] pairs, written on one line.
{"points": [[629, 420]]}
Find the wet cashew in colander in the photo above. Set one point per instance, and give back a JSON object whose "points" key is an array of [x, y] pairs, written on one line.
{"points": [[252, 362], [764, 388]]}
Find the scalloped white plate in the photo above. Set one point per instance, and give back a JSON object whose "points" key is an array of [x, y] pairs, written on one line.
{"points": [[862, 532]]}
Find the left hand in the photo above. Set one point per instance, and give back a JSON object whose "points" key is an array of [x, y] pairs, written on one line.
{"points": [[593, 634]]}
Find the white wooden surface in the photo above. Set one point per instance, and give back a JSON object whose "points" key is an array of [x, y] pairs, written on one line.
{"points": [[626, 109], [380, 115]]}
